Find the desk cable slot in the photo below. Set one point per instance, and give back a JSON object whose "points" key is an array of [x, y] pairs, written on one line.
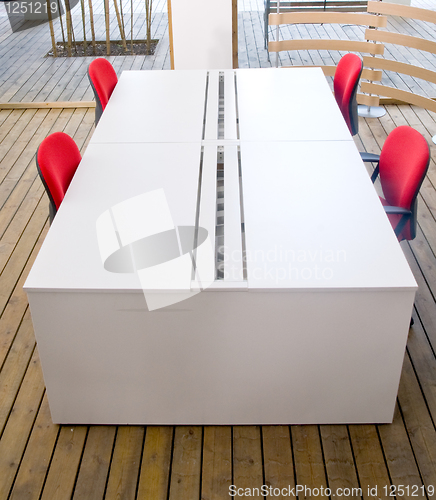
{"points": [[219, 228], [203, 134], [237, 108], [221, 133], [241, 204]]}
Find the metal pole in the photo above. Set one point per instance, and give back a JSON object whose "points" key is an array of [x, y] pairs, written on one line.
{"points": [[277, 34], [371, 111]]}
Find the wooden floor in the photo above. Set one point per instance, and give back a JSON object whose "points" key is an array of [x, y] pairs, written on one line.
{"points": [[42, 460]]}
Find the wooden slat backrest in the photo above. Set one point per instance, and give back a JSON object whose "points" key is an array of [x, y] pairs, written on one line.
{"points": [[328, 18], [393, 9], [399, 67], [367, 74], [399, 39], [401, 95], [318, 44]]}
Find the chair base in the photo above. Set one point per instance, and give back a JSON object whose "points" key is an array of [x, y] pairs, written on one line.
{"points": [[370, 111]]}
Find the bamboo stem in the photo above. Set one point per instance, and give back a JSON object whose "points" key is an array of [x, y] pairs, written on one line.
{"points": [[74, 36], [131, 25], [148, 8], [62, 24], [50, 22], [106, 14], [170, 32], [69, 25], [91, 18], [85, 46], [120, 25], [122, 19]]}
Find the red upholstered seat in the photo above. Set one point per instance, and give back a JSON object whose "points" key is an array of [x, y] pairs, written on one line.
{"points": [[402, 167], [57, 159], [345, 85], [103, 81]]}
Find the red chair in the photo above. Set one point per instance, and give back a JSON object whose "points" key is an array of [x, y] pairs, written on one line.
{"points": [[345, 85], [103, 81], [57, 159], [402, 166]]}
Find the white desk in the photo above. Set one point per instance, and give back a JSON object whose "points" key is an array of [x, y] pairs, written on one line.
{"points": [[311, 330], [135, 113], [269, 108], [275, 106]]}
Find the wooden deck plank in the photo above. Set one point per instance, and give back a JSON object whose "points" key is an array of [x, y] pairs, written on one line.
{"points": [[11, 318], [34, 465], [156, 461], [277, 457], [419, 424], [10, 169], [126, 460], [94, 466], [11, 222], [308, 458], [399, 455], [217, 462], [369, 458], [65, 463], [14, 368], [11, 133], [20, 422], [247, 458], [186, 464], [14, 267], [338, 457], [419, 342]]}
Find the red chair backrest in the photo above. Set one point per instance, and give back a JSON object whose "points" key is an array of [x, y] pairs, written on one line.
{"points": [[345, 85], [403, 164], [103, 79], [57, 159]]}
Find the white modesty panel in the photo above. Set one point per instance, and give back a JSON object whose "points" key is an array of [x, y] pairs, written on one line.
{"points": [[288, 104], [154, 106], [313, 220]]}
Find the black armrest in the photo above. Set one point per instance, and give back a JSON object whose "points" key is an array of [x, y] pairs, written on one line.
{"points": [[370, 157], [406, 214], [397, 210], [374, 174]]}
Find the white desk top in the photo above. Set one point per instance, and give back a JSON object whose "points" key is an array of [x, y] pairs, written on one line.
{"points": [[288, 104], [307, 215], [110, 174], [154, 106], [292, 104], [313, 220]]}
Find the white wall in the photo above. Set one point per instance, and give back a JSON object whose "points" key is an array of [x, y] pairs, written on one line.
{"points": [[202, 34]]}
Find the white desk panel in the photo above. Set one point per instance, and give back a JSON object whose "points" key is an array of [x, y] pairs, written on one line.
{"points": [[288, 104], [109, 174], [313, 220], [154, 106]]}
